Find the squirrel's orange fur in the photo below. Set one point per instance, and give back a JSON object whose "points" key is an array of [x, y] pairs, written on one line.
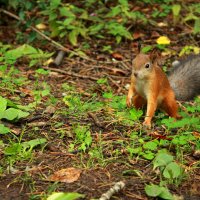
{"points": [[150, 86]]}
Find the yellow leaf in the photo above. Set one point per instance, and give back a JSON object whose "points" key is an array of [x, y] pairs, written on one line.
{"points": [[47, 62], [196, 50], [41, 26], [163, 40]]}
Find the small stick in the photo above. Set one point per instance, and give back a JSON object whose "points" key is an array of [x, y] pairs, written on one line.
{"points": [[96, 121], [70, 73], [116, 188]]}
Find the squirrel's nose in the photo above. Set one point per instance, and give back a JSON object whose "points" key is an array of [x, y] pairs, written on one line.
{"points": [[135, 74]]}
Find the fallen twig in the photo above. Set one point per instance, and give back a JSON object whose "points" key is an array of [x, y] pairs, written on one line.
{"points": [[116, 188], [70, 73], [96, 121]]}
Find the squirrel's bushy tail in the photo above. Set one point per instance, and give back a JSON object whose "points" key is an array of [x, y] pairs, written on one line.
{"points": [[185, 78]]}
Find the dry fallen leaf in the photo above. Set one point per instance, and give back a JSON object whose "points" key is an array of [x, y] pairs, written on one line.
{"points": [[16, 131], [196, 134], [26, 91], [50, 109], [137, 35], [162, 24], [117, 56], [68, 175], [155, 34], [117, 71]]}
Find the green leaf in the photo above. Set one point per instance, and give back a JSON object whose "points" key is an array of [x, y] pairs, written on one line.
{"points": [[52, 16], [88, 139], [165, 194], [4, 129], [118, 30], [54, 28], [64, 11], [102, 81], [65, 196], [162, 159], [197, 26], [118, 39], [150, 145], [124, 3], [13, 149], [42, 71], [45, 92], [158, 191], [108, 95], [176, 8], [33, 143], [73, 37], [190, 16], [84, 15], [54, 3], [96, 28], [170, 123], [153, 190], [22, 114], [148, 155], [114, 11], [135, 114], [146, 49], [3, 104], [67, 21], [172, 170], [10, 114], [33, 62]]}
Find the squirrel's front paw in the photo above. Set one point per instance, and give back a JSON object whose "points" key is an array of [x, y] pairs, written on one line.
{"points": [[147, 124], [128, 101]]}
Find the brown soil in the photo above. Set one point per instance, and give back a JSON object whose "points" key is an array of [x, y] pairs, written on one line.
{"points": [[28, 178]]}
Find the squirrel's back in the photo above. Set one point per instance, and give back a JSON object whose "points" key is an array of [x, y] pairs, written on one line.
{"points": [[185, 78]]}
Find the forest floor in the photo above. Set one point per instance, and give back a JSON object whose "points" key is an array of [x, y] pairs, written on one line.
{"points": [[81, 91]]}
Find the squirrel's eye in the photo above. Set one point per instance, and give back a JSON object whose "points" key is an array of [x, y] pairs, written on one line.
{"points": [[147, 65]]}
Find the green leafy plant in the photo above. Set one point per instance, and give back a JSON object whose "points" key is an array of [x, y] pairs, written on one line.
{"points": [[138, 147], [193, 15], [169, 170], [65, 196], [4, 129], [21, 150], [10, 111], [153, 190], [36, 56], [183, 142], [74, 20], [189, 49], [123, 115], [176, 8], [185, 122], [162, 12], [82, 138], [42, 90]]}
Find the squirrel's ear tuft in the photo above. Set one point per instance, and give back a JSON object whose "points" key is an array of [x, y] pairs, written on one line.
{"points": [[154, 55]]}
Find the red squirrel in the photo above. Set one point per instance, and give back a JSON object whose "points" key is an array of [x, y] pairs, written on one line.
{"points": [[150, 86]]}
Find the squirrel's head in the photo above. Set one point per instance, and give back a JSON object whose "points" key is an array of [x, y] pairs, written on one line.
{"points": [[143, 65]]}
